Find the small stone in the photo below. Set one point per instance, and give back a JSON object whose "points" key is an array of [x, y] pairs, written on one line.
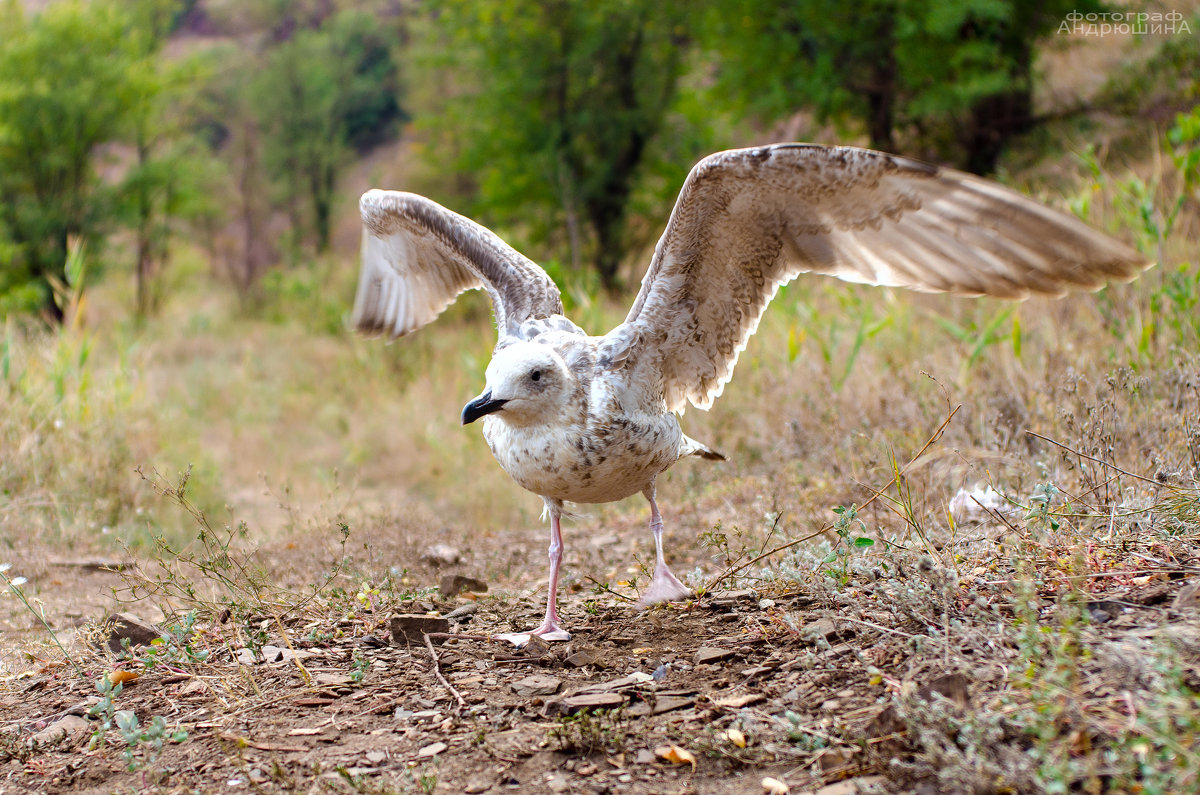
{"points": [[463, 611], [81, 708], [558, 784], [441, 555], [246, 656], [375, 757], [583, 657], [711, 654], [402, 714], [271, 653], [72, 727], [851, 786], [451, 585], [432, 750], [477, 785], [410, 628], [536, 685], [821, 628], [195, 687], [593, 701], [773, 786], [644, 757], [126, 626]]}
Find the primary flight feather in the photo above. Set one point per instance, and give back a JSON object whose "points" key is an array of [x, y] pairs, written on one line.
{"points": [[578, 418]]}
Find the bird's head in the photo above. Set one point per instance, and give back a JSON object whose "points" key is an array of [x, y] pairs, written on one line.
{"points": [[527, 383]]}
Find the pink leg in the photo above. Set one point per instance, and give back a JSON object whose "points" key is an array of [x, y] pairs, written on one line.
{"points": [[664, 586], [550, 628]]}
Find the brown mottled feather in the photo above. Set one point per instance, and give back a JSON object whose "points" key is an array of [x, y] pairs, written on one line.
{"points": [[749, 220]]}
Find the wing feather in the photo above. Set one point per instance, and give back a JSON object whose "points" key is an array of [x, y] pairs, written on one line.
{"points": [[749, 220], [417, 257]]}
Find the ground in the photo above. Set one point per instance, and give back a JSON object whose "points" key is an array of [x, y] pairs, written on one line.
{"points": [[880, 680]]}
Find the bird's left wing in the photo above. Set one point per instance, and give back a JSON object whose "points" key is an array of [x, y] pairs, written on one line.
{"points": [[417, 257], [750, 220]]}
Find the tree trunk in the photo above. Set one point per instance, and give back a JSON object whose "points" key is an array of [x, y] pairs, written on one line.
{"points": [[997, 119]]}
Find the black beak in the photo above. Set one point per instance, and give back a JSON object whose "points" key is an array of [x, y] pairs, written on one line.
{"points": [[480, 406]]}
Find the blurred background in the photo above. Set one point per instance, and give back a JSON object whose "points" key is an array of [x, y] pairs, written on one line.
{"points": [[179, 232]]}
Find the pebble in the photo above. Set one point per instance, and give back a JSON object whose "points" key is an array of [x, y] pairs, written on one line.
{"points": [[431, 750], [536, 685], [706, 655]]}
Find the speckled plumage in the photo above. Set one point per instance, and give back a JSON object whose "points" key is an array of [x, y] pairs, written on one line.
{"points": [[603, 424]]}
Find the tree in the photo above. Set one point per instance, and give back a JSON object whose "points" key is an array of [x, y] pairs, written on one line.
{"points": [[957, 77], [558, 104], [66, 88]]}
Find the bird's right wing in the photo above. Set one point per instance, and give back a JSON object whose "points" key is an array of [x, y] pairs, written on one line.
{"points": [[417, 257]]}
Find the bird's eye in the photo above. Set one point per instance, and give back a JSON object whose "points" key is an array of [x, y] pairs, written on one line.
{"points": [[536, 375]]}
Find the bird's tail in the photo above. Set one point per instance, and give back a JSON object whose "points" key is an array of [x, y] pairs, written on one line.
{"points": [[692, 447]]}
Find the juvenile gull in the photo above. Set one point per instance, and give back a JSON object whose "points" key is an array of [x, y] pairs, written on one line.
{"points": [[578, 418]]}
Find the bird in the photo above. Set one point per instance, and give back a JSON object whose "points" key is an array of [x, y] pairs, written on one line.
{"points": [[577, 418]]}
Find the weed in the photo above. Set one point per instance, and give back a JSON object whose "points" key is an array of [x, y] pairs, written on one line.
{"points": [[591, 731]]}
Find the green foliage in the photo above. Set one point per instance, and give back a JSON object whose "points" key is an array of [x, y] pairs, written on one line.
{"points": [[317, 95], [72, 78], [958, 75], [557, 110]]}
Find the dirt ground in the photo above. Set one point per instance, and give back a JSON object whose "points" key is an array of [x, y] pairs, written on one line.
{"points": [[718, 695]]}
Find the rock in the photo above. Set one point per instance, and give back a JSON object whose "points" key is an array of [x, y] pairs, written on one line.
{"points": [[851, 786], [558, 784], [1188, 596], [463, 611], [126, 626], [739, 701], [431, 750], [821, 628], [773, 786], [451, 585], [536, 685], [711, 654], [375, 757], [477, 784], [72, 728], [574, 704], [195, 687], [441, 555], [583, 657], [80, 708], [949, 686], [410, 628], [246, 657], [644, 757], [660, 704]]}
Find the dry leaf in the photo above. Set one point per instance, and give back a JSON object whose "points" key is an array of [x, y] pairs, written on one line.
{"points": [[736, 737], [676, 755], [122, 677], [773, 786]]}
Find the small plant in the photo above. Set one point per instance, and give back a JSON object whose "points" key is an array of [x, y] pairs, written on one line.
{"points": [[359, 667], [174, 649], [587, 732], [143, 745], [847, 542]]}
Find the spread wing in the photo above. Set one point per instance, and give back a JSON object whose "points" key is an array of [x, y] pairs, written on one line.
{"points": [[417, 256], [749, 220]]}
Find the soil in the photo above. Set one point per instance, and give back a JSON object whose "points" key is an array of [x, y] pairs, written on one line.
{"points": [[712, 696]]}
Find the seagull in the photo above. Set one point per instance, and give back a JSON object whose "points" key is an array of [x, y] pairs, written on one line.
{"points": [[593, 419]]}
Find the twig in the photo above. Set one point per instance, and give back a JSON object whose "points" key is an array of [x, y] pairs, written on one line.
{"points": [[729, 572], [603, 586], [437, 671]]}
